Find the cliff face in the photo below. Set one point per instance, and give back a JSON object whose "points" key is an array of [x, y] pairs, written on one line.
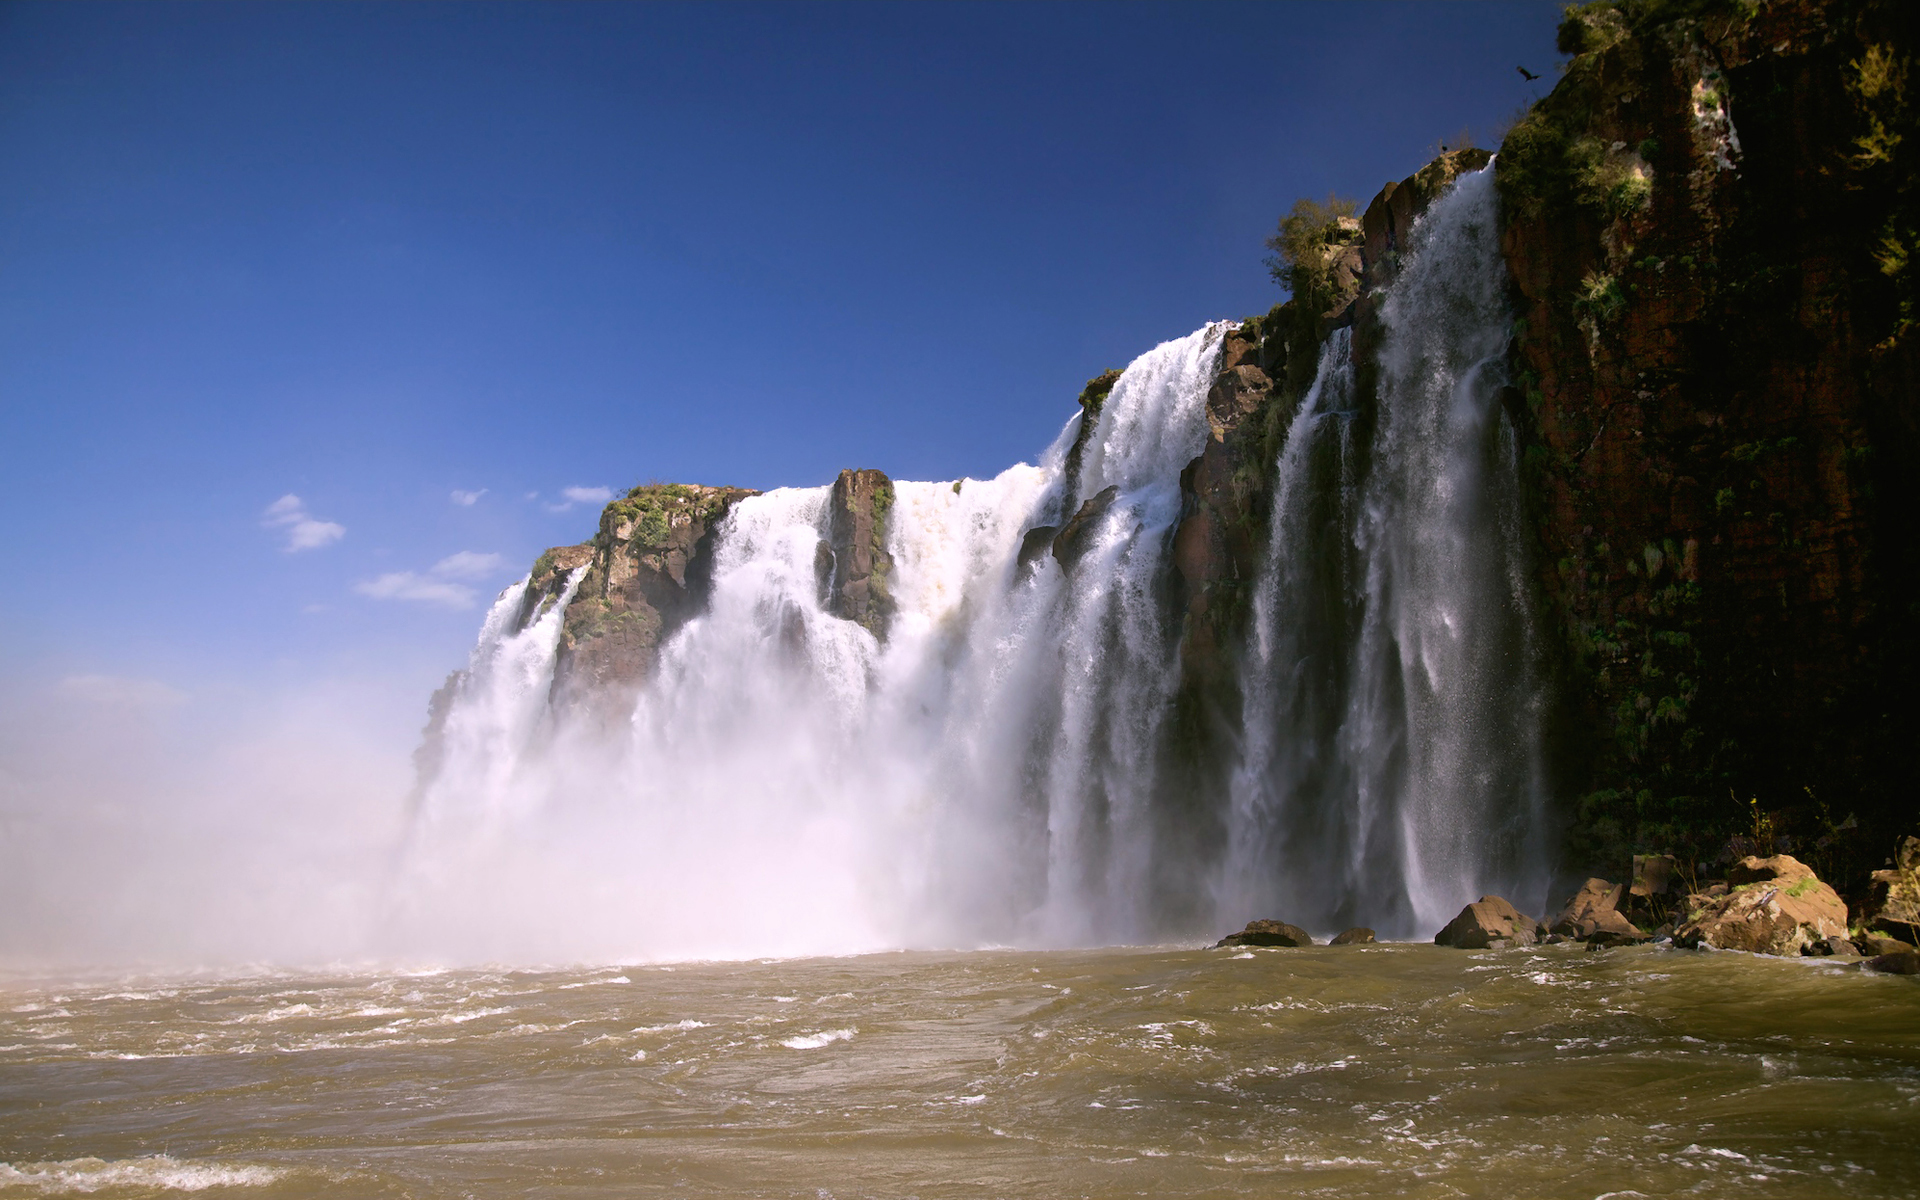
{"points": [[648, 568], [853, 562], [1704, 225], [1708, 225], [1266, 368]]}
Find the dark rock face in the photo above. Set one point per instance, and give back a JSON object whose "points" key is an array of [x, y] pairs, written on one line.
{"points": [[1716, 364], [857, 575], [647, 573], [1489, 922], [1267, 933], [1070, 544], [1353, 937], [1907, 963]]}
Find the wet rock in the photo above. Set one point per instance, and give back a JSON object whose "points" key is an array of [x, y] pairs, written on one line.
{"points": [[647, 573], [1893, 897], [1485, 922], [1359, 936], [1073, 541], [1592, 911], [1905, 963], [857, 587], [1630, 936], [1772, 905], [1833, 947], [1035, 544], [1267, 933]]}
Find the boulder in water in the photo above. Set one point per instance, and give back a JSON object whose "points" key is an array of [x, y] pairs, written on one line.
{"points": [[1773, 905], [1833, 947], [1907, 963], [1268, 933], [1593, 911], [1489, 922], [1358, 936]]}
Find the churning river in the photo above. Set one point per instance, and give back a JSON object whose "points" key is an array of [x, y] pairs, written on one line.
{"points": [[1391, 1070]]}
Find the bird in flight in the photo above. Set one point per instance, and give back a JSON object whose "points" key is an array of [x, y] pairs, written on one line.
{"points": [[1529, 76]]}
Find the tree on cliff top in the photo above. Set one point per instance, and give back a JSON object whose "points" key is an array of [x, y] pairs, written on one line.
{"points": [[1299, 259]]}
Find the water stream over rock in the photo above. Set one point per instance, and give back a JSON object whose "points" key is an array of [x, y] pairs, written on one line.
{"points": [[982, 757]]}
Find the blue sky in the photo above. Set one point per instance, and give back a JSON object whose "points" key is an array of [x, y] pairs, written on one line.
{"points": [[384, 259]]}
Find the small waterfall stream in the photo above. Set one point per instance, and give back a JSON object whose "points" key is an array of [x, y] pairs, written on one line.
{"points": [[987, 774]]}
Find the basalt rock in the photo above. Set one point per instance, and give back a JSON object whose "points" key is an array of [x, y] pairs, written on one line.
{"points": [[1707, 224], [1905, 963], [1073, 540], [1772, 906], [1489, 922], [1267, 933], [857, 563], [647, 572], [1353, 937]]}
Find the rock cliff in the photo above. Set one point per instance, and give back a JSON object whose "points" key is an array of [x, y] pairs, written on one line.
{"points": [[647, 570], [1706, 224]]}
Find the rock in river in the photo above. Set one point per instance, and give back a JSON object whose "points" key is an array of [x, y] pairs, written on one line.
{"points": [[1353, 937], [1593, 914], [1268, 933], [1773, 905], [1489, 921]]}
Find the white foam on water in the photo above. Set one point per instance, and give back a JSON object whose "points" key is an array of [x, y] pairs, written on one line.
{"points": [[160, 1172], [813, 1041]]}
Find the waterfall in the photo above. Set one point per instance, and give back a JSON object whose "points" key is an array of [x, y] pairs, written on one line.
{"points": [[1393, 768], [987, 771]]}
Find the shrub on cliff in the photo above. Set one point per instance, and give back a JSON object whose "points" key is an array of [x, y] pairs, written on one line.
{"points": [[1301, 260]]}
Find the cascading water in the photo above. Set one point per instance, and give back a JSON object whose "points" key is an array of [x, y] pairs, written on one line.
{"points": [[1393, 764], [988, 772]]}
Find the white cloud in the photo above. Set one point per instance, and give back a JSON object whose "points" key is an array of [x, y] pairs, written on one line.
{"points": [[467, 499], [578, 495], [304, 531], [439, 584], [425, 589], [468, 565], [121, 690]]}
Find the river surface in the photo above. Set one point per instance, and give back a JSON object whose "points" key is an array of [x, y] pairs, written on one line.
{"points": [[1384, 1071]]}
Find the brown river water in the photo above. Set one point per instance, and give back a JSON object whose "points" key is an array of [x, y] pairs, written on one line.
{"points": [[1353, 1072]]}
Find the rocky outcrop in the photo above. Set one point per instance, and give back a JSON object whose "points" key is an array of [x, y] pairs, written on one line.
{"points": [[1267, 933], [1357, 936], [1490, 922], [1708, 224], [1070, 544], [648, 569], [1892, 906], [1771, 905], [855, 566]]}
